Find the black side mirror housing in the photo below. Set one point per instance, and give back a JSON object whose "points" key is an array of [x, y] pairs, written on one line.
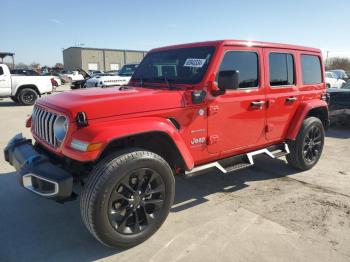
{"points": [[228, 79]]}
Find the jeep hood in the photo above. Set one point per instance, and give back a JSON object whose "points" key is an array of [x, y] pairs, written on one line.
{"points": [[109, 102]]}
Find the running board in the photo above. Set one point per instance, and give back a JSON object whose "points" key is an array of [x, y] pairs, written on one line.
{"points": [[239, 162]]}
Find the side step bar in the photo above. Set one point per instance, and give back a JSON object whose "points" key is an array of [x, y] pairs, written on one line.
{"points": [[235, 163]]}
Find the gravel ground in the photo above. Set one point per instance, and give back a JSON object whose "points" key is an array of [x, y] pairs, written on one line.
{"points": [[269, 212]]}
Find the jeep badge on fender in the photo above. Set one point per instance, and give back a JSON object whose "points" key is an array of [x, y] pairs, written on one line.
{"points": [[220, 104]]}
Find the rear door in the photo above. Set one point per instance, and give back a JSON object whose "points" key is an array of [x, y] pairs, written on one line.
{"points": [[281, 82], [5, 82], [236, 119]]}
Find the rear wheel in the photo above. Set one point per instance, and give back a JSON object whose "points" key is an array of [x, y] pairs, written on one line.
{"points": [[127, 198], [306, 150], [27, 96]]}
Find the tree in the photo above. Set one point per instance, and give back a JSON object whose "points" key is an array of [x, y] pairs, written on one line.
{"points": [[34, 66], [21, 66], [59, 65], [338, 63]]}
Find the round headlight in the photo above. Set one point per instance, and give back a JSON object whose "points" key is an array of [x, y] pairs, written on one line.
{"points": [[60, 128]]}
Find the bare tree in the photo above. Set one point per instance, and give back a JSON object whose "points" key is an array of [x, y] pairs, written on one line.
{"points": [[338, 63], [21, 66], [34, 66], [59, 65]]}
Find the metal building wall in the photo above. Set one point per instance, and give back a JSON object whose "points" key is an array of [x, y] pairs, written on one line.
{"points": [[104, 59], [72, 58]]}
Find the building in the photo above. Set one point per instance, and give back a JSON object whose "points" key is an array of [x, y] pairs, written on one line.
{"points": [[99, 59]]}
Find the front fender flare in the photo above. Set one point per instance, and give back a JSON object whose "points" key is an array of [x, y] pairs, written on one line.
{"points": [[108, 131], [301, 114]]}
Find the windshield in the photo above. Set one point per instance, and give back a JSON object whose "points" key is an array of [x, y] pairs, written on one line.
{"points": [[181, 66], [127, 70]]}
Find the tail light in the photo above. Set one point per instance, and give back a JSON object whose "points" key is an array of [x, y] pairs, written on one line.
{"points": [[29, 121], [53, 82]]}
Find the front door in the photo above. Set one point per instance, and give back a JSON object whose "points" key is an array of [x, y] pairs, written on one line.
{"points": [[281, 91], [236, 119]]}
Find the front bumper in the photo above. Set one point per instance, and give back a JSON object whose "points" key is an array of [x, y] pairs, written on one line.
{"points": [[35, 171]]}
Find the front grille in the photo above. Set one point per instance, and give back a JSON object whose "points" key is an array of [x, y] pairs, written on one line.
{"points": [[43, 121]]}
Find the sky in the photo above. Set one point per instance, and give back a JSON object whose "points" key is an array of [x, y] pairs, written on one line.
{"points": [[38, 31]]}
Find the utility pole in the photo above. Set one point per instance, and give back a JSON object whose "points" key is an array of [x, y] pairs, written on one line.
{"points": [[327, 53]]}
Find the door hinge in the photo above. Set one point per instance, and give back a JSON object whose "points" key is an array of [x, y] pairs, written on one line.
{"points": [[212, 110], [213, 139]]}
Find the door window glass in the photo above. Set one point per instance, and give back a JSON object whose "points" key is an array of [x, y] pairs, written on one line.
{"points": [[246, 63], [281, 69]]}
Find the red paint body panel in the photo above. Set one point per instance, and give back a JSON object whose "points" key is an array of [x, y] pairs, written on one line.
{"points": [[224, 125]]}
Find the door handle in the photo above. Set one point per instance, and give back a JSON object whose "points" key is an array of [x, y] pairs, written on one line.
{"points": [[291, 99], [257, 104]]}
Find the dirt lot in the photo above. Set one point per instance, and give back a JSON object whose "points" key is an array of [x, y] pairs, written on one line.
{"points": [[266, 213]]}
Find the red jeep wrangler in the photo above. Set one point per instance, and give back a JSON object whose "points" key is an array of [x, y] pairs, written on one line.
{"points": [[186, 109]]}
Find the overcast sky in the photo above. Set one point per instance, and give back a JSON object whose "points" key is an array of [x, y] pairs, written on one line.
{"points": [[38, 30]]}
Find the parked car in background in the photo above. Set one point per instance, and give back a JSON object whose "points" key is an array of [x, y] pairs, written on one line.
{"points": [[23, 89], [73, 76], [340, 74], [56, 78], [112, 72], [332, 81], [339, 106], [106, 80], [94, 72], [25, 72], [81, 83]]}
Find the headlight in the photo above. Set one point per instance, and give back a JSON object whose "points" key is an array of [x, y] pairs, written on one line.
{"points": [[60, 128]]}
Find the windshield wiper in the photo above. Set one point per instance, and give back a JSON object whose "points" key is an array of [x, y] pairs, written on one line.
{"points": [[166, 80]]}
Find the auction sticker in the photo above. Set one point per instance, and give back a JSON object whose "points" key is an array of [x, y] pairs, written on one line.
{"points": [[194, 62]]}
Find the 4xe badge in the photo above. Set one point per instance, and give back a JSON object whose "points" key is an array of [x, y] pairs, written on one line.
{"points": [[196, 141]]}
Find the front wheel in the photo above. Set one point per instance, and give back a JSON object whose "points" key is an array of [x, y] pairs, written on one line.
{"points": [[306, 150], [127, 198]]}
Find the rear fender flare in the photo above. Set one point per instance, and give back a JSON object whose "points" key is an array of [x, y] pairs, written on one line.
{"points": [[301, 114]]}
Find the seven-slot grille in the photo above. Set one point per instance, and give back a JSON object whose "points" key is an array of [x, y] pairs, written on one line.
{"points": [[43, 122]]}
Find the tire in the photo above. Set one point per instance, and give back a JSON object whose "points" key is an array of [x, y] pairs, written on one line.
{"points": [[111, 207], [27, 96], [306, 150]]}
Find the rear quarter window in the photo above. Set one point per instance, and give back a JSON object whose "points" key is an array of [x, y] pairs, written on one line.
{"points": [[311, 69], [1, 71]]}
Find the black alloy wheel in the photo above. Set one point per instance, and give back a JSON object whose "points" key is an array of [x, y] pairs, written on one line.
{"points": [[27, 96], [306, 149], [312, 144], [136, 201]]}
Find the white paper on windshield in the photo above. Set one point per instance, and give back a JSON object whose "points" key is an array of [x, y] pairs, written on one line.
{"points": [[194, 62]]}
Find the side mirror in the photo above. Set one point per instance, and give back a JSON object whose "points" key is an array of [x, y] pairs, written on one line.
{"points": [[228, 80]]}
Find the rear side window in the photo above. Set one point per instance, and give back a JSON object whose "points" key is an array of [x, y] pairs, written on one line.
{"points": [[1, 71], [281, 69], [311, 69], [244, 62]]}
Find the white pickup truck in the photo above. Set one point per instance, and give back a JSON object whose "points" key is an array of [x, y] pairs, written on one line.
{"points": [[23, 89]]}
